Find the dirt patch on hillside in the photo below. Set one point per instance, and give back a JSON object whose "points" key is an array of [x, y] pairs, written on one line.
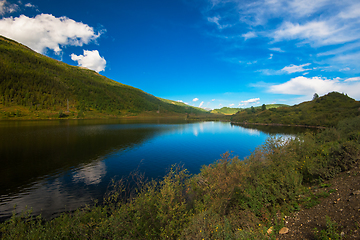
{"points": [[342, 206]]}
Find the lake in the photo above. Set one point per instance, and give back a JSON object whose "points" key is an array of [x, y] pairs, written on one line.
{"points": [[61, 165]]}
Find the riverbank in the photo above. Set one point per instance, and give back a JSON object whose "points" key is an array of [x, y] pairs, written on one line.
{"points": [[24, 113], [277, 124]]}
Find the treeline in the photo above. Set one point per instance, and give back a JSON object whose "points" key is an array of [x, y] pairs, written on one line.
{"points": [[38, 82], [231, 111], [324, 111]]}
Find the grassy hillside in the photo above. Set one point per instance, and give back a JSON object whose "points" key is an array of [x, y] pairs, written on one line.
{"points": [[325, 111], [231, 111], [34, 85]]}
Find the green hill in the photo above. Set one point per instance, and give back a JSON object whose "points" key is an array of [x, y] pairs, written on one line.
{"points": [[35, 86], [231, 111], [326, 111]]}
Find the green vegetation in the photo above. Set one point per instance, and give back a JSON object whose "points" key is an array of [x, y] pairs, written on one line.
{"points": [[229, 199], [324, 111], [35, 86], [331, 231], [231, 111], [227, 110]]}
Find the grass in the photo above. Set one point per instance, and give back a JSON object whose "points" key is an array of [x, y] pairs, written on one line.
{"points": [[330, 232], [230, 199]]}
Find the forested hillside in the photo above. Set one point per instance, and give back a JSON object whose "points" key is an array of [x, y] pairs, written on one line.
{"points": [[231, 111], [35, 83], [325, 111]]}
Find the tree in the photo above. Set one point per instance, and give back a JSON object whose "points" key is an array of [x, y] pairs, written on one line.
{"points": [[252, 109], [316, 96], [263, 107]]}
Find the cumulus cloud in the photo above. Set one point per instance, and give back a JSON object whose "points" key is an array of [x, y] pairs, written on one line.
{"points": [[294, 68], [230, 105], [308, 86], [212, 100], [47, 32], [271, 56], [195, 99], [91, 60], [252, 100], [202, 103]]}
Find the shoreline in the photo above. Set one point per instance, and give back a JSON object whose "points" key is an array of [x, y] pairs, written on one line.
{"points": [[277, 124]]}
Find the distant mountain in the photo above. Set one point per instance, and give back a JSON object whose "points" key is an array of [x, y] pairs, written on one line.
{"points": [[231, 111], [326, 111], [33, 84]]}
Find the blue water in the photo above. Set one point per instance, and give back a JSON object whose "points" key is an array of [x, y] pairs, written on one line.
{"points": [[59, 166]]}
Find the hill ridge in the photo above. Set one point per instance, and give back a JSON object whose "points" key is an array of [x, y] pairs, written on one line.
{"points": [[41, 86], [325, 111]]}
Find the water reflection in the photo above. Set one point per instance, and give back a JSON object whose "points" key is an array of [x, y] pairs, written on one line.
{"points": [[55, 166], [90, 173]]}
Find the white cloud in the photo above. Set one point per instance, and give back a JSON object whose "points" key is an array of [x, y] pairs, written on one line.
{"points": [[271, 56], [195, 99], [216, 20], [248, 62], [213, 100], [308, 86], [252, 100], [47, 32], [317, 33], [286, 70], [230, 105], [275, 49], [91, 60], [201, 104], [294, 68], [354, 79], [249, 35], [29, 5], [180, 101], [352, 11], [6, 7]]}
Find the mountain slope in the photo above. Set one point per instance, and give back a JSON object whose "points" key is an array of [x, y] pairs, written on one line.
{"points": [[327, 111], [38, 83]]}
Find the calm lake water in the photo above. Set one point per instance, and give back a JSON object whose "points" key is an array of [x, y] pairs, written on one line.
{"points": [[56, 166]]}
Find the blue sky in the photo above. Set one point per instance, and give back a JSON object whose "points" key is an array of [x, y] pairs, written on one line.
{"points": [[207, 53]]}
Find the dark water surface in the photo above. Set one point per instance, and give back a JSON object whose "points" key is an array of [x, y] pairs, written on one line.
{"points": [[55, 166]]}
